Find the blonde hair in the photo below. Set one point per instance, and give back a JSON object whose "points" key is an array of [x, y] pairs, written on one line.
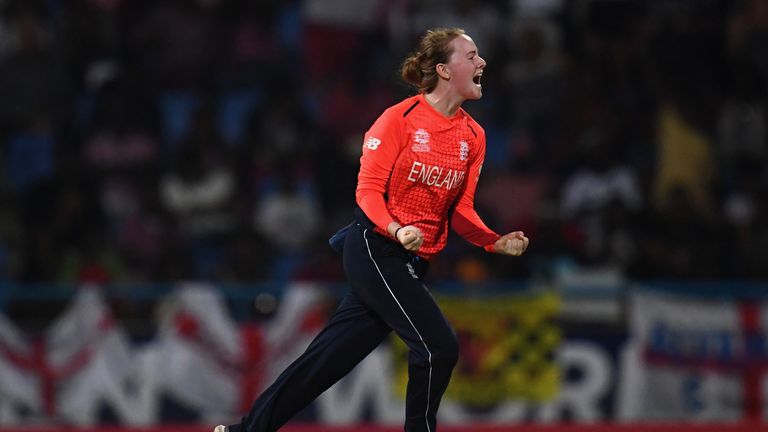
{"points": [[418, 69]]}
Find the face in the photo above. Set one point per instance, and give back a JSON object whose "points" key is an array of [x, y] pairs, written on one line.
{"points": [[465, 67]]}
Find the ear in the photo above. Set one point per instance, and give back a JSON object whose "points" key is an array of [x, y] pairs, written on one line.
{"points": [[443, 71]]}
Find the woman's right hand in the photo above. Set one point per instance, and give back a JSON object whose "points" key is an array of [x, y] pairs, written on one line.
{"points": [[409, 236]]}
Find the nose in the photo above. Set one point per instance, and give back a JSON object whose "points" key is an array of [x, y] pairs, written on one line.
{"points": [[481, 62]]}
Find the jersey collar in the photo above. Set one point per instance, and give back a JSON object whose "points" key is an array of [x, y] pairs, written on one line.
{"points": [[441, 120]]}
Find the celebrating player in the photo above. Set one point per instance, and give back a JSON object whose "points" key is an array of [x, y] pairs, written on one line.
{"points": [[419, 169]]}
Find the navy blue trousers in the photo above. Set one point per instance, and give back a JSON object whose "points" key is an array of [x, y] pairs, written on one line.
{"points": [[387, 294]]}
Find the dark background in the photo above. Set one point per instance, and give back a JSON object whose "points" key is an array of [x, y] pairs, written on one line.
{"points": [[157, 141]]}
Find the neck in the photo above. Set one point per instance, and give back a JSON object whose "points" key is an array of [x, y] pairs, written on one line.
{"points": [[443, 102]]}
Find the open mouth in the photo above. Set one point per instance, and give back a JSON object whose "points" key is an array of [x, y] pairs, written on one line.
{"points": [[476, 79]]}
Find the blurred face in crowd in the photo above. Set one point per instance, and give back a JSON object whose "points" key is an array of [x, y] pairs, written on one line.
{"points": [[465, 68]]}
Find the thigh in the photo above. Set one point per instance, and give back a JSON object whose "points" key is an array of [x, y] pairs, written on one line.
{"points": [[354, 323], [352, 332], [387, 284]]}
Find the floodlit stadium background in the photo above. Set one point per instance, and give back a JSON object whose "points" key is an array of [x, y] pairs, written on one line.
{"points": [[170, 172]]}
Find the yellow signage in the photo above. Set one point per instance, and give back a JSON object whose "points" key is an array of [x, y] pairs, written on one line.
{"points": [[506, 345]]}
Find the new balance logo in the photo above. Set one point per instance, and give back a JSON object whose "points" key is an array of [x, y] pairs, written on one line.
{"points": [[372, 143]]}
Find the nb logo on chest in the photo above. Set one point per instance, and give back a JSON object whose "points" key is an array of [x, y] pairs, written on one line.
{"points": [[434, 175]]}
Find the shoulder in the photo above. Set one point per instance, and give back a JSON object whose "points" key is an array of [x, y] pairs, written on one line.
{"points": [[394, 117], [477, 130], [401, 109]]}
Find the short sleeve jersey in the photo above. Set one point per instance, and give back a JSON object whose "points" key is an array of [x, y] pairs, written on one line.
{"points": [[424, 164]]}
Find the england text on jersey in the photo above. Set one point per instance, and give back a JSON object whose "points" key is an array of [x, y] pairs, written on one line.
{"points": [[434, 175]]}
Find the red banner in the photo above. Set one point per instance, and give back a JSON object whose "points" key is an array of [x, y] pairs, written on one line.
{"points": [[603, 427]]}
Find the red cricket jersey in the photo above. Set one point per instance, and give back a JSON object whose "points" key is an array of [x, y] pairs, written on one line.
{"points": [[416, 165]]}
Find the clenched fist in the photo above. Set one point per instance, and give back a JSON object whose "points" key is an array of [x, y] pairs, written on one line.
{"points": [[514, 243], [410, 237]]}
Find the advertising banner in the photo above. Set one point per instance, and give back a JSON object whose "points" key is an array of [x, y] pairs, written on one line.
{"points": [[694, 359], [686, 360]]}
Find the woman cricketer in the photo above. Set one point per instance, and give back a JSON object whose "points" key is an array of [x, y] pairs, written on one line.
{"points": [[419, 169]]}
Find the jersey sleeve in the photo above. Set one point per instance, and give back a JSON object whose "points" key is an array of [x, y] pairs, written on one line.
{"points": [[381, 147], [465, 221]]}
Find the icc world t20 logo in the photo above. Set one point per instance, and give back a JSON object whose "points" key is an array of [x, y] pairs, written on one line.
{"points": [[421, 141]]}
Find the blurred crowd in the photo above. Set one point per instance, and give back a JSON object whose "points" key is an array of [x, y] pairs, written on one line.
{"points": [[164, 140]]}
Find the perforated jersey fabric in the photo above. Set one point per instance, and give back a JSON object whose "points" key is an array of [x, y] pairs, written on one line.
{"points": [[421, 168]]}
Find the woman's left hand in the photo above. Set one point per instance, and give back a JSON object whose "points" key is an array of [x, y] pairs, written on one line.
{"points": [[514, 243]]}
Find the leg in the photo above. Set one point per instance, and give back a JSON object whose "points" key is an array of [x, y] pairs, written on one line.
{"points": [[350, 335], [382, 278]]}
